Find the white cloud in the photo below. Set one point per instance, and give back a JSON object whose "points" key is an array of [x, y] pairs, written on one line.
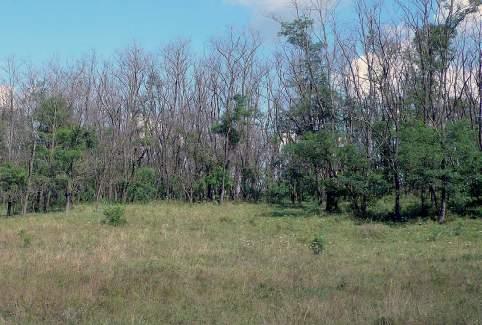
{"points": [[266, 14], [461, 5], [266, 6]]}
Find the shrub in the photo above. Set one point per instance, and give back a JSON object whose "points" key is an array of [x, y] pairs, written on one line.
{"points": [[114, 216], [317, 245]]}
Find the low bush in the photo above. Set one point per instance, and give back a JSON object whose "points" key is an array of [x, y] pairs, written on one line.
{"points": [[114, 216], [317, 245]]}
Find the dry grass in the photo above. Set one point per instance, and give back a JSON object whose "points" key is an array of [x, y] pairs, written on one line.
{"points": [[236, 264]]}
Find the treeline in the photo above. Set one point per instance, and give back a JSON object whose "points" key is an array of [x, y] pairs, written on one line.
{"points": [[374, 111]]}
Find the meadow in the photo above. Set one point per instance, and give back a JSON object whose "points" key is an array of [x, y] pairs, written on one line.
{"points": [[174, 263]]}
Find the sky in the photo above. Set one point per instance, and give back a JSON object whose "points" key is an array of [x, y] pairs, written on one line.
{"points": [[39, 29]]}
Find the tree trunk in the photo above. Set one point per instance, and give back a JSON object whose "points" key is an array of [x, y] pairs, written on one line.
{"points": [[210, 195], [443, 197], [293, 194], [397, 214], [237, 187], [9, 208], [433, 197], [29, 178], [221, 199], [68, 196], [25, 201], [319, 190], [480, 100], [364, 205], [37, 201], [125, 187], [331, 201], [47, 201], [443, 205], [97, 196], [225, 168], [422, 203]]}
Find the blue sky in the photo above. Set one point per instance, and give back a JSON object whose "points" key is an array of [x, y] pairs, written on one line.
{"points": [[38, 29]]}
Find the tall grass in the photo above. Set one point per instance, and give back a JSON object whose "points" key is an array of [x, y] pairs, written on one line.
{"points": [[236, 264]]}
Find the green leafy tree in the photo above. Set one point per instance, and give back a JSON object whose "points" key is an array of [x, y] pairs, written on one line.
{"points": [[219, 179], [319, 154], [362, 184], [143, 185], [465, 166], [312, 160], [230, 126], [313, 106], [61, 147], [421, 154], [51, 115], [443, 163], [72, 143], [12, 184]]}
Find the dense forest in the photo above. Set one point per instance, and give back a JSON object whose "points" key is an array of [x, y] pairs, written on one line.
{"points": [[344, 116]]}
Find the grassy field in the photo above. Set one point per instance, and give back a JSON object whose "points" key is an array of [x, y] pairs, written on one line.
{"points": [[236, 264]]}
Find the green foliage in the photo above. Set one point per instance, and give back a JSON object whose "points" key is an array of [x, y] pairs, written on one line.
{"points": [[362, 184], [249, 186], [143, 185], [87, 191], [212, 183], [215, 178], [475, 211], [12, 185], [226, 128], [114, 216], [52, 114], [277, 192], [421, 154], [71, 143], [465, 166], [60, 149], [297, 32], [312, 163], [423, 151], [339, 168], [436, 40], [12, 179], [231, 121], [315, 149], [313, 107], [381, 209], [317, 245]]}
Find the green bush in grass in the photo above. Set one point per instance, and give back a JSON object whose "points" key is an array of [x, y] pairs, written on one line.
{"points": [[114, 216]]}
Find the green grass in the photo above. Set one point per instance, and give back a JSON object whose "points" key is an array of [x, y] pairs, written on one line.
{"points": [[236, 264]]}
